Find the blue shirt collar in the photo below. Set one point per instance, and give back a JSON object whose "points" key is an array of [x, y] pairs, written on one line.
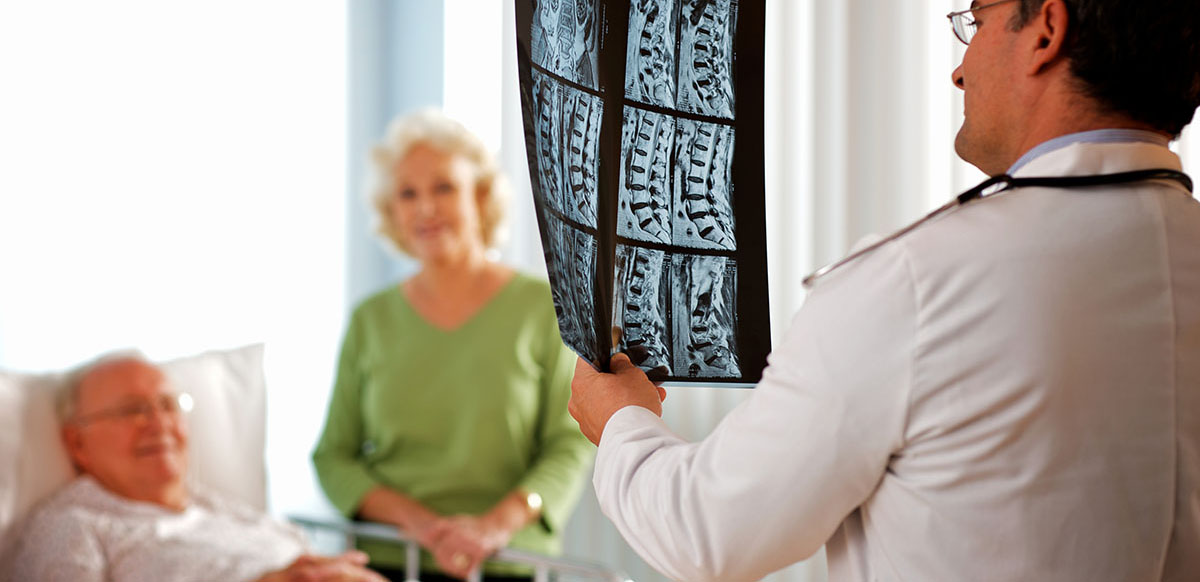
{"points": [[1093, 136]]}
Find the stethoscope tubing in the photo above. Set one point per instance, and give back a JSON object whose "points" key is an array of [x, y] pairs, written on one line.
{"points": [[1002, 183]]}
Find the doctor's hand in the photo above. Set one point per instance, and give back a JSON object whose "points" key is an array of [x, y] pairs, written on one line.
{"points": [[596, 396]]}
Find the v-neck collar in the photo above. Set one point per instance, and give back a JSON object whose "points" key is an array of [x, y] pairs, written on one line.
{"points": [[479, 313]]}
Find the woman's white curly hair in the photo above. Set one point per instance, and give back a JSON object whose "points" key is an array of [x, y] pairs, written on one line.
{"points": [[433, 128]]}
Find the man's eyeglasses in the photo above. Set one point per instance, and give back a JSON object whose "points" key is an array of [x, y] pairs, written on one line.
{"points": [[171, 405], [963, 21]]}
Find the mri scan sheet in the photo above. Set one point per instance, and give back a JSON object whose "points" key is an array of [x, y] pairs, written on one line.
{"points": [[643, 130]]}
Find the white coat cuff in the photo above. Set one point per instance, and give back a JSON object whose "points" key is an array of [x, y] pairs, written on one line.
{"points": [[628, 418]]}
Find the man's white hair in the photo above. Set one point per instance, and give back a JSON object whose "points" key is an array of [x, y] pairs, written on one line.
{"points": [[66, 400]]}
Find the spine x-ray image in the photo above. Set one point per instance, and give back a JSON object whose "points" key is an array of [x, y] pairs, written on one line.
{"points": [[568, 132], [645, 197], [564, 39], [641, 308], [548, 125], [651, 52], [571, 261], [706, 57], [703, 216], [679, 55], [581, 134], [703, 299], [648, 180]]}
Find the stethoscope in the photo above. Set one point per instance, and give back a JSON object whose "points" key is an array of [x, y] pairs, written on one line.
{"points": [[1002, 183]]}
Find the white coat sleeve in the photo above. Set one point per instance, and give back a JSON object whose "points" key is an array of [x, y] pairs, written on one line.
{"points": [[781, 472]]}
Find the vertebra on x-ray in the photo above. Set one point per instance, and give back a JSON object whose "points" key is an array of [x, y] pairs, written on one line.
{"points": [[650, 52], [640, 310], [567, 145], [704, 317], [702, 211], [706, 57], [571, 258], [563, 39], [644, 209]]}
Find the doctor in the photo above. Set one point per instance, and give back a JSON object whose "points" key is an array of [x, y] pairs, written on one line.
{"points": [[1008, 392]]}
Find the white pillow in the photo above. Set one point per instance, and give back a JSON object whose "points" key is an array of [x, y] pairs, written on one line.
{"points": [[227, 432]]}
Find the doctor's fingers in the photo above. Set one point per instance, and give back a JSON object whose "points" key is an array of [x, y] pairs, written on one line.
{"points": [[638, 355], [633, 377]]}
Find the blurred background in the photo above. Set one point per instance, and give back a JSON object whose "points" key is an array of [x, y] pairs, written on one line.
{"points": [[183, 176]]}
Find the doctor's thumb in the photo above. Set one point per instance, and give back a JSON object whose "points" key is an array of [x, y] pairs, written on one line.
{"points": [[620, 362], [621, 365]]}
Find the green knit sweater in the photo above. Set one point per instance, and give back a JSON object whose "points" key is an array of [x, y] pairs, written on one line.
{"points": [[455, 419]]}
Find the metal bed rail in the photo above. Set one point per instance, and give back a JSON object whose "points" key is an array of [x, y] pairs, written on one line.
{"points": [[542, 565]]}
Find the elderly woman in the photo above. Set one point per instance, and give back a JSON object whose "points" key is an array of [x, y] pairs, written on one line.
{"points": [[449, 413]]}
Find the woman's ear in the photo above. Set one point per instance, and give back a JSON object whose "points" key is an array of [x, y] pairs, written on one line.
{"points": [[482, 191], [381, 156]]}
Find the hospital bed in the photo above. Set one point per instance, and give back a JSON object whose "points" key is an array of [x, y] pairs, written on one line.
{"points": [[226, 445]]}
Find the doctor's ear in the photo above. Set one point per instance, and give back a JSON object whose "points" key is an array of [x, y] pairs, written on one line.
{"points": [[1049, 27]]}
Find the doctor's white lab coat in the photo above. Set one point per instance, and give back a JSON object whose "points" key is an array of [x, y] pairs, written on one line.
{"points": [[1009, 392]]}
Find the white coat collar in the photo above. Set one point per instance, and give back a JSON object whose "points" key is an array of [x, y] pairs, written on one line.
{"points": [[1082, 159]]}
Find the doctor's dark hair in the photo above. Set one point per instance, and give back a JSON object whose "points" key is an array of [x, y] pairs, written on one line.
{"points": [[1140, 58]]}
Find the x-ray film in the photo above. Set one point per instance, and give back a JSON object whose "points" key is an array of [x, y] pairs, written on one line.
{"points": [[644, 208], [706, 56], [703, 216], [651, 52], [567, 148], [563, 39], [641, 304], [643, 130], [571, 263], [702, 303]]}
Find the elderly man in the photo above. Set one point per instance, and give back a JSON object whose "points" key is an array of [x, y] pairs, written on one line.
{"points": [[130, 516], [1008, 392]]}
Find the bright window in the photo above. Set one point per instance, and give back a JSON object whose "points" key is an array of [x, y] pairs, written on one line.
{"points": [[172, 178]]}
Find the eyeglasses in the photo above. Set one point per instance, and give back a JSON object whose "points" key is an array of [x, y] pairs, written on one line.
{"points": [[964, 24], [171, 405]]}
